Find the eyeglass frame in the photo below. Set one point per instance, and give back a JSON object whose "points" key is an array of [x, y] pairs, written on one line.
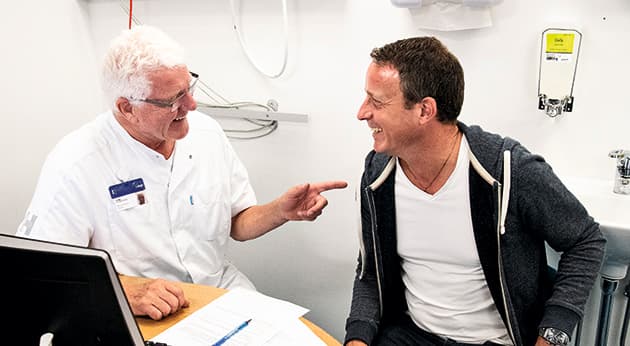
{"points": [[174, 103]]}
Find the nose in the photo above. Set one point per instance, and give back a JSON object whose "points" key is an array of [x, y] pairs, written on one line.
{"points": [[190, 103], [364, 111]]}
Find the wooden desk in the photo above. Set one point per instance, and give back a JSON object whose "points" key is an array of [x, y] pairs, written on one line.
{"points": [[199, 296]]}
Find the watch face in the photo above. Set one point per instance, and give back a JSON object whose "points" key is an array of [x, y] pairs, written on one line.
{"points": [[555, 336]]}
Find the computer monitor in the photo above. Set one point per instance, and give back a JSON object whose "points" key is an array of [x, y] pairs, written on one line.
{"points": [[69, 291]]}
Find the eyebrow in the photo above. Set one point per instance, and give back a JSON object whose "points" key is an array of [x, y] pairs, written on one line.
{"points": [[176, 96], [182, 92], [370, 95], [376, 99]]}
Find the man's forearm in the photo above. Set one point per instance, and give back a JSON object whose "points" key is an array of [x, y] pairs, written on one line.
{"points": [[256, 221]]}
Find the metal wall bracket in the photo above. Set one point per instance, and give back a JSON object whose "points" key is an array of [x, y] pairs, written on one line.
{"points": [[239, 113], [555, 107]]}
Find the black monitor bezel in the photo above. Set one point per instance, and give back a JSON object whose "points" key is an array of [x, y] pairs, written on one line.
{"points": [[72, 291]]}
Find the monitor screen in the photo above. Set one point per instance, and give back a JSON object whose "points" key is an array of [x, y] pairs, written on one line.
{"points": [[69, 291]]}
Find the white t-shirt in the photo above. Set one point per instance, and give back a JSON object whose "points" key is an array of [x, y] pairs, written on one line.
{"points": [[177, 228], [445, 286]]}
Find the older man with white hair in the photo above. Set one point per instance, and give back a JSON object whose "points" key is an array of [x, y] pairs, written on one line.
{"points": [[155, 183]]}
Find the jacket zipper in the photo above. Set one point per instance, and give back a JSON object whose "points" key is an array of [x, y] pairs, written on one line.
{"points": [[500, 263], [376, 262]]}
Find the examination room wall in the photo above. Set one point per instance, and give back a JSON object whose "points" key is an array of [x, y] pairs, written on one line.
{"points": [[50, 86]]}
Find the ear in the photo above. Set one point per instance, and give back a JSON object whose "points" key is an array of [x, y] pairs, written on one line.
{"points": [[125, 109], [428, 108]]}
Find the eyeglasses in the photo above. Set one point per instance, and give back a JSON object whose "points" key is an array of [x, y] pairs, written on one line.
{"points": [[175, 102]]}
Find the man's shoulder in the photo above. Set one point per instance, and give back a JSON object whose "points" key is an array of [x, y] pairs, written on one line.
{"points": [[79, 144], [375, 164], [488, 148], [201, 122], [477, 137]]}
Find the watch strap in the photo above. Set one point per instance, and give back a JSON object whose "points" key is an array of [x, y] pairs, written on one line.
{"points": [[554, 336]]}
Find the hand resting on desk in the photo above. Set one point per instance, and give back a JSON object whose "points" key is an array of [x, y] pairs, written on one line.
{"points": [[156, 298]]}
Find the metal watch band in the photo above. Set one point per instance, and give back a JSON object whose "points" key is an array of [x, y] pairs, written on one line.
{"points": [[554, 336]]}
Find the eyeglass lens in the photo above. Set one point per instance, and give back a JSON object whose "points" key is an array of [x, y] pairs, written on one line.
{"points": [[191, 90]]}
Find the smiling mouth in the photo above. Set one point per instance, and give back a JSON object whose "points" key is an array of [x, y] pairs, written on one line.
{"points": [[376, 130]]}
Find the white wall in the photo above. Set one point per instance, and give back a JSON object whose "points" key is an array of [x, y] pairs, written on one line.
{"points": [[47, 88], [46, 94]]}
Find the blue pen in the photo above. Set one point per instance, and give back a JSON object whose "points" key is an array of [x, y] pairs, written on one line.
{"points": [[230, 334]]}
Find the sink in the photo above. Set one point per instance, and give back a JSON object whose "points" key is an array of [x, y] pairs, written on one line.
{"points": [[612, 212]]}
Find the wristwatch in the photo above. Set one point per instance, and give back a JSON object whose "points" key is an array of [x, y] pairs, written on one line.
{"points": [[554, 336]]}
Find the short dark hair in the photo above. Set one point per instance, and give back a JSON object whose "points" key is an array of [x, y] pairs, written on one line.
{"points": [[426, 68]]}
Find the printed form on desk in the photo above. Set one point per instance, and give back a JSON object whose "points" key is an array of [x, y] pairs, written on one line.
{"points": [[273, 322]]}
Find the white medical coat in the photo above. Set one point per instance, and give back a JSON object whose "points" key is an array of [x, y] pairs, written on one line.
{"points": [[182, 229]]}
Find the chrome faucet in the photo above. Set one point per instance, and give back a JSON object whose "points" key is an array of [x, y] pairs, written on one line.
{"points": [[622, 176]]}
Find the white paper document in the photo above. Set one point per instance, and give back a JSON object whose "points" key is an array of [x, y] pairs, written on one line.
{"points": [[209, 324], [258, 305], [273, 322], [295, 332]]}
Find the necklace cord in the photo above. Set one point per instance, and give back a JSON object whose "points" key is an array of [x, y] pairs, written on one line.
{"points": [[443, 164]]}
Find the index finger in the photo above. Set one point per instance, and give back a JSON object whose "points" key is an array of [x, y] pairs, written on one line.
{"points": [[329, 185], [178, 293]]}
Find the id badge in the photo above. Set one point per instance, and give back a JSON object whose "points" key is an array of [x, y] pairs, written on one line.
{"points": [[128, 194]]}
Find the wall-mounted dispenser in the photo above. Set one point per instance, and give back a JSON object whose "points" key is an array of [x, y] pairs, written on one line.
{"points": [[559, 52], [622, 175]]}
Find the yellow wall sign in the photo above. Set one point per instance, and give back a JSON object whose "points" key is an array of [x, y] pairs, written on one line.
{"points": [[560, 43]]}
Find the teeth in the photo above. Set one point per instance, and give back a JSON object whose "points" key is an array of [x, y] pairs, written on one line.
{"points": [[377, 130], [180, 118]]}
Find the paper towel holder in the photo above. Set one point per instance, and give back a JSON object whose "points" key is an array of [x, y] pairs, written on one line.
{"points": [[418, 3], [407, 3]]}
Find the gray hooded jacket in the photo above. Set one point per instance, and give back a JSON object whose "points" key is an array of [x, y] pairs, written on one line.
{"points": [[517, 204]]}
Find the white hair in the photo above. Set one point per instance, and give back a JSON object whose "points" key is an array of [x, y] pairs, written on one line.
{"points": [[131, 56]]}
